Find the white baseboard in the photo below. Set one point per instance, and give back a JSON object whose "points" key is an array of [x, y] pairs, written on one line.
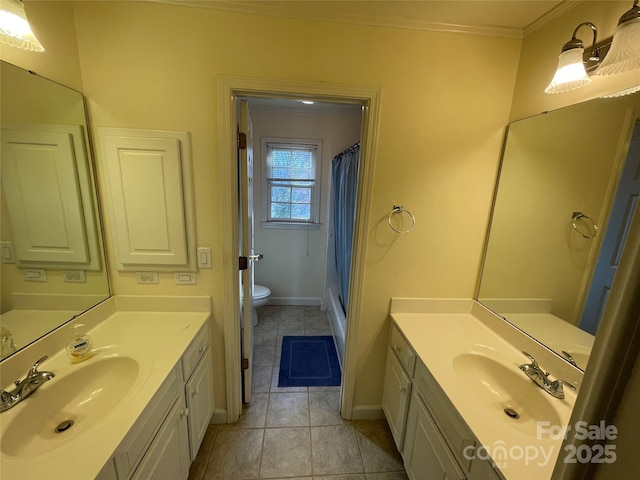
{"points": [[219, 416], [295, 301], [367, 412]]}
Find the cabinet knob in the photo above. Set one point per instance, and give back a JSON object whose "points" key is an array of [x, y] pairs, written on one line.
{"points": [[195, 391], [201, 349], [403, 389], [184, 412], [396, 348]]}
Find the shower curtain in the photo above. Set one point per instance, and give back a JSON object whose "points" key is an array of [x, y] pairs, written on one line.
{"points": [[344, 174]]}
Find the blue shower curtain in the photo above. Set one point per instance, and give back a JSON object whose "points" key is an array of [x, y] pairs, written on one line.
{"points": [[344, 174]]}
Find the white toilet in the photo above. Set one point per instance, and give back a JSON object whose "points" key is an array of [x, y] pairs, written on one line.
{"points": [[260, 298]]}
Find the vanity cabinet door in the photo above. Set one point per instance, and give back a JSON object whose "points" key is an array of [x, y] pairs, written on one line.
{"points": [[199, 396], [168, 456], [395, 397], [426, 454]]}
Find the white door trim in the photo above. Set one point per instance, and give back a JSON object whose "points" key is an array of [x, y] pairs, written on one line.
{"points": [[229, 88]]}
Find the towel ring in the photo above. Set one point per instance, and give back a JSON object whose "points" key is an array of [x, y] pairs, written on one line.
{"points": [[578, 215], [400, 209]]}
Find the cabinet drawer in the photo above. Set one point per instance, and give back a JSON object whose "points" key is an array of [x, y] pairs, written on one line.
{"points": [[194, 352], [452, 426], [402, 349]]}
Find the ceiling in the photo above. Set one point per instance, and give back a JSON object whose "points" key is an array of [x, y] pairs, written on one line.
{"points": [[505, 18]]}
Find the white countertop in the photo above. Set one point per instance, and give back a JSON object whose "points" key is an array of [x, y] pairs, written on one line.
{"points": [[437, 339], [156, 340]]}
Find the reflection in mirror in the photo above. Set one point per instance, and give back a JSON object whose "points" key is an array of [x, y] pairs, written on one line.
{"points": [[52, 266], [568, 186]]}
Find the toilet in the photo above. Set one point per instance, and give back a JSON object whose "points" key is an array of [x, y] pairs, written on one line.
{"points": [[260, 298]]}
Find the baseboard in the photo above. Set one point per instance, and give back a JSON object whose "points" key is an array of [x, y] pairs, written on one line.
{"points": [[295, 301], [219, 416], [367, 412]]}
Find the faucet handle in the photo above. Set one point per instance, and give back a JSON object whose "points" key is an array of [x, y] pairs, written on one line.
{"points": [[556, 388]]}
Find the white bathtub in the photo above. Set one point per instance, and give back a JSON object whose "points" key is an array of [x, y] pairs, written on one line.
{"points": [[338, 322]]}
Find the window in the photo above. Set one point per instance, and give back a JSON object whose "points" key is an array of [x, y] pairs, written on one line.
{"points": [[291, 181]]}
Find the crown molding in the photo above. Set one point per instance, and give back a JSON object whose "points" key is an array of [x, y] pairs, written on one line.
{"points": [[299, 10], [551, 15]]}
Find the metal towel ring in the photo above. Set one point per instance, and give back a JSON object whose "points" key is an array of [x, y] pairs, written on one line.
{"points": [[578, 215], [400, 209]]}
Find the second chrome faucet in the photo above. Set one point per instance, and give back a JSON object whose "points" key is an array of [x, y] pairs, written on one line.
{"points": [[537, 375]]}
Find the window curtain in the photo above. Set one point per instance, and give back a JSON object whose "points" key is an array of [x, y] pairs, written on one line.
{"points": [[344, 175]]}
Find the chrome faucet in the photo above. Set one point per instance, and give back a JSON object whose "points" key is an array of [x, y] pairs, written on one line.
{"points": [[26, 387], [554, 388]]}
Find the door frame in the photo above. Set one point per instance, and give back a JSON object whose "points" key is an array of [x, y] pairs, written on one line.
{"points": [[229, 89]]}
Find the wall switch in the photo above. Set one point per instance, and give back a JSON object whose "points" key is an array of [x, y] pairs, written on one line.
{"points": [[147, 277], [74, 276], [204, 257], [7, 253], [35, 275], [186, 278]]}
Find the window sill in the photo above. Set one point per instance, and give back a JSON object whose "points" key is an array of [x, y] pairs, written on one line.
{"points": [[291, 225]]}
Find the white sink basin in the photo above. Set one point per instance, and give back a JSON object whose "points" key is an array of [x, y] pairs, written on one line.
{"points": [[85, 396], [505, 393]]}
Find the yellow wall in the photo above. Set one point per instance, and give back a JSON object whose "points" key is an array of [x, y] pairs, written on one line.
{"points": [[445, 101], [156, 66]]}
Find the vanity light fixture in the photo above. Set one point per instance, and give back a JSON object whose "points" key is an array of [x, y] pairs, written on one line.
{"points": [[624, 54], [571, 73], [14, 27], [615, 55]]}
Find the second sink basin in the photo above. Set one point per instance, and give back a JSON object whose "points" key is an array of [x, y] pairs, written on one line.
{"points": [[506, 393], [69, 405]]}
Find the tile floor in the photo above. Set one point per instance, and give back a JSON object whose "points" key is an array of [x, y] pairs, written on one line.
{"points": [[294, 433]]}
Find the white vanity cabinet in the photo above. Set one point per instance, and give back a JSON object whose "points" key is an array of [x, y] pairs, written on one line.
{"points": [[426, 453], [397, 384], [168, 456], [165, 439], [197, 372], [436, 442]]}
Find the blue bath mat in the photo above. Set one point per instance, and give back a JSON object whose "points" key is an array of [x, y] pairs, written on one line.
{"points": [[309, 362]]}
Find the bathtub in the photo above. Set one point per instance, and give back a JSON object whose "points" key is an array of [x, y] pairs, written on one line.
{"points": [[338, 322]]}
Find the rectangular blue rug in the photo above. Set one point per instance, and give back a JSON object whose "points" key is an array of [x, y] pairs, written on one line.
{"points": [[309, 362]]}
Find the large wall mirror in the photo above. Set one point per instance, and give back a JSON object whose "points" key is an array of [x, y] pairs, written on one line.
{"points": [[52, 266], [568, 186]]}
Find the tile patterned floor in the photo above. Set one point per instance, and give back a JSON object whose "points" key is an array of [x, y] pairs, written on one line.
{"points": [[294, 433]]}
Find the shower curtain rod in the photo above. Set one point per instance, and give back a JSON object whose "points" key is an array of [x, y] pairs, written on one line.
{"points": [[350, 149]]}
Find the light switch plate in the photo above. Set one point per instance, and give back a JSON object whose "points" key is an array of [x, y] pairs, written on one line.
{"points": [[204, 257], [147, 277], [185, 278]]}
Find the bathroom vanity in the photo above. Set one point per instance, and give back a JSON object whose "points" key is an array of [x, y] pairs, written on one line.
{"points": [[137, 409], [456, 401]]}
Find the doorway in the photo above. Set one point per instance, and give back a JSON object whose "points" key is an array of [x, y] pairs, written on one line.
{"points": [[230, 89], [624, 206]]}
